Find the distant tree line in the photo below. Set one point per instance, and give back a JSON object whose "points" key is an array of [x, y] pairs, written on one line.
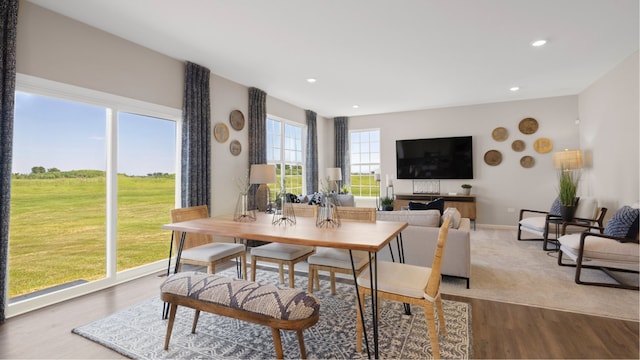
{"points": [[40, 172]]}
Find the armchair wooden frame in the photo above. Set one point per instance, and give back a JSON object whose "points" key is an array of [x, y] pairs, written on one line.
{"points": [[609, 270], [581, 222]]}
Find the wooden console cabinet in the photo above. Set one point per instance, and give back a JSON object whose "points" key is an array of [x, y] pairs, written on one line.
{"points": [[466, 204]]}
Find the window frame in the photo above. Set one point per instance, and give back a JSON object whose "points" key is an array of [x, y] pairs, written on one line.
{"points": [[276, 189], [371, 164], [114, 104]]}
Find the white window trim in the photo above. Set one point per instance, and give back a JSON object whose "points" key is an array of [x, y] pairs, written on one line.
{"points": [[304, 144], [43, 87], [379, 164]]}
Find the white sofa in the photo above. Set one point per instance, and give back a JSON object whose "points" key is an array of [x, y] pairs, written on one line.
{"points": [[420, 239]]}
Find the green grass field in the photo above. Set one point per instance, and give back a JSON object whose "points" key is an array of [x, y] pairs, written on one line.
{"points": [[58, 228]]}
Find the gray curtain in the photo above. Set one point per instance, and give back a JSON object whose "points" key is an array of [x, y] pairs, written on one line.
{"points": [[341, 129], [9, 19], [257, 133], [311, 171], [196, 138]]}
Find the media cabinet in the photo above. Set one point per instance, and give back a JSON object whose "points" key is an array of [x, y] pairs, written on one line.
{"points": [[466, 204]]}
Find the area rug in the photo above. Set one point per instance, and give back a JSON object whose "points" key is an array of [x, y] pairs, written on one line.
{"points": [[138, 332], [520, 272]]}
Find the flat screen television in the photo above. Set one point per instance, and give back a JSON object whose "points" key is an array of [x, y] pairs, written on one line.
{"points": [[436, 158]]}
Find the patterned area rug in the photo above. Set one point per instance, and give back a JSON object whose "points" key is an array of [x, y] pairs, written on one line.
{"points": [[139, 332]]}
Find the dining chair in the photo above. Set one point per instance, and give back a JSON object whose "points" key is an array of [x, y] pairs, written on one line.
{"points": [[284, 254], [338, 260], [200, 249], [409, 284]]}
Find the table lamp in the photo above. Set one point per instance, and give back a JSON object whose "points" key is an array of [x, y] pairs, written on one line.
{"points": [[335, 175], [568, 160], [262, 174]]}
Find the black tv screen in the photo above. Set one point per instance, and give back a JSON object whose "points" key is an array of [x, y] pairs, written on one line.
{"points": [[437, 158]]}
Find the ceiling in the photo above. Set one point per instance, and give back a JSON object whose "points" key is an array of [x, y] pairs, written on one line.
{"points": [[384, 56]]}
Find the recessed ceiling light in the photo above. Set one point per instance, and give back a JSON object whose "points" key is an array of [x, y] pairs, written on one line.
{"points": [[514, 88], [311, 80], [538, 43], [355, 106]]}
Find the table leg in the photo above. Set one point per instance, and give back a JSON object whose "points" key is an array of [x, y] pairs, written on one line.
{"points": [[360, 305]]}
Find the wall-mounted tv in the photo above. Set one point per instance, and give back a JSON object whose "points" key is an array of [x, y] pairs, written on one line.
{"points": [[436, 158]]}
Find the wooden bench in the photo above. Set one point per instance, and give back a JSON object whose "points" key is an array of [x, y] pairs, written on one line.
{"points": [[286, 309]]}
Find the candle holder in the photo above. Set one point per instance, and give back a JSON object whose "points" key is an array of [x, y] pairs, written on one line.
{"points": [[328, 213], [284, 213]]}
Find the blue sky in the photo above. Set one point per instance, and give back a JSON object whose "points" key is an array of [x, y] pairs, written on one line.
{"points": [[71, 136]]}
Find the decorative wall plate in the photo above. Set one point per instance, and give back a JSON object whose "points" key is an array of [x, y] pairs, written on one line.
{"points": [[528, 126], [493, 157], [235, 147], [543, 145], [236, 119], [527, 161], [500, 134], [518, 145], [221, 132]]}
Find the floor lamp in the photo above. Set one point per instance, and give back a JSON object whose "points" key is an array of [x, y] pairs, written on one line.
{"points": [[262, 174]]}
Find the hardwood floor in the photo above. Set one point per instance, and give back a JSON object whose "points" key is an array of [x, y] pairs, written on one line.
{"points": [[500, 330]]}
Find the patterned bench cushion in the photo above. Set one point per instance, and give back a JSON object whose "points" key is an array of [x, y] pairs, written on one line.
{"points": [[269, 300]]}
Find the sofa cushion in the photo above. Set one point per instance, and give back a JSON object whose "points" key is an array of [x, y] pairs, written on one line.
{"points": [[437, 204], [624, 224], [600, 248], [455, 217], [430, 218]]}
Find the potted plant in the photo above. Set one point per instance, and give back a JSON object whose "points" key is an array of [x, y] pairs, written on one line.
{"points": [[567, 194], [466, 189], [386, 203]]}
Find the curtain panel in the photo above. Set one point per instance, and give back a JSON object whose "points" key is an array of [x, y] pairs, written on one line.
{"points": [[311, 170], [196, 138], [257, 125], [8, 27], [341, 130]]}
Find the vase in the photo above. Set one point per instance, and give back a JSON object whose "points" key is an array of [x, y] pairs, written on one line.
{"points": [[567, 212], [242, 213]]}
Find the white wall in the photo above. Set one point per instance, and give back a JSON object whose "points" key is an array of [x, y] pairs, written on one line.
{"points": [[609, 131], [497, 188]]}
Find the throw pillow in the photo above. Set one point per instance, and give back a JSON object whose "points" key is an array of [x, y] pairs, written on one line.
{"points": [[455, 217], [437, 204], [624, 224], [555, 207]]}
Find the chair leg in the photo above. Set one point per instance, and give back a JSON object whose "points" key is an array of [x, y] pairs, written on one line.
{"points": [[281, 272], [292, 276], [311, 278], [316, 279], [332, 275], [172, 317], [277, 342], [195, 321], [431, 329], [443, 324], [303, 351], [211, 269], [253, 268]]}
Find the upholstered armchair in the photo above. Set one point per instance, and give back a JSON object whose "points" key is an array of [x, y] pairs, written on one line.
{"points": [[613, 249], [543, 223]]}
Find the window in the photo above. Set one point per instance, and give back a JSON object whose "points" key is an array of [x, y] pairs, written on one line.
{"points": [[284, 149], [94, 178], [365, 162]]}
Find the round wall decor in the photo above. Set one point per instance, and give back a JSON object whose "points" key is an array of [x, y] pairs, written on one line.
{"points": [[221, 132], [493, 157], [518, 145], [527, 162], [543, 145], [236, 119], [500, 134], [235, 147], [528, 126]]}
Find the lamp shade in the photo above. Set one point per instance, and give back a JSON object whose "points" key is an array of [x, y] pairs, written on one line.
{"points": [[262, 174], [334, 174], [568, 160]]}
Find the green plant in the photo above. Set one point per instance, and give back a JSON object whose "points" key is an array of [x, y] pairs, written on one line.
{"points": [[386, 201], [568, 187], [344, 189], [466, 186]]}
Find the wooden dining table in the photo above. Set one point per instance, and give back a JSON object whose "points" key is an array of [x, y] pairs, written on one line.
{"points": [[350, 235]]}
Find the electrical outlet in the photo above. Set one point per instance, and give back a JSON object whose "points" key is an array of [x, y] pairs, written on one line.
{"points": [[511, 210]]}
